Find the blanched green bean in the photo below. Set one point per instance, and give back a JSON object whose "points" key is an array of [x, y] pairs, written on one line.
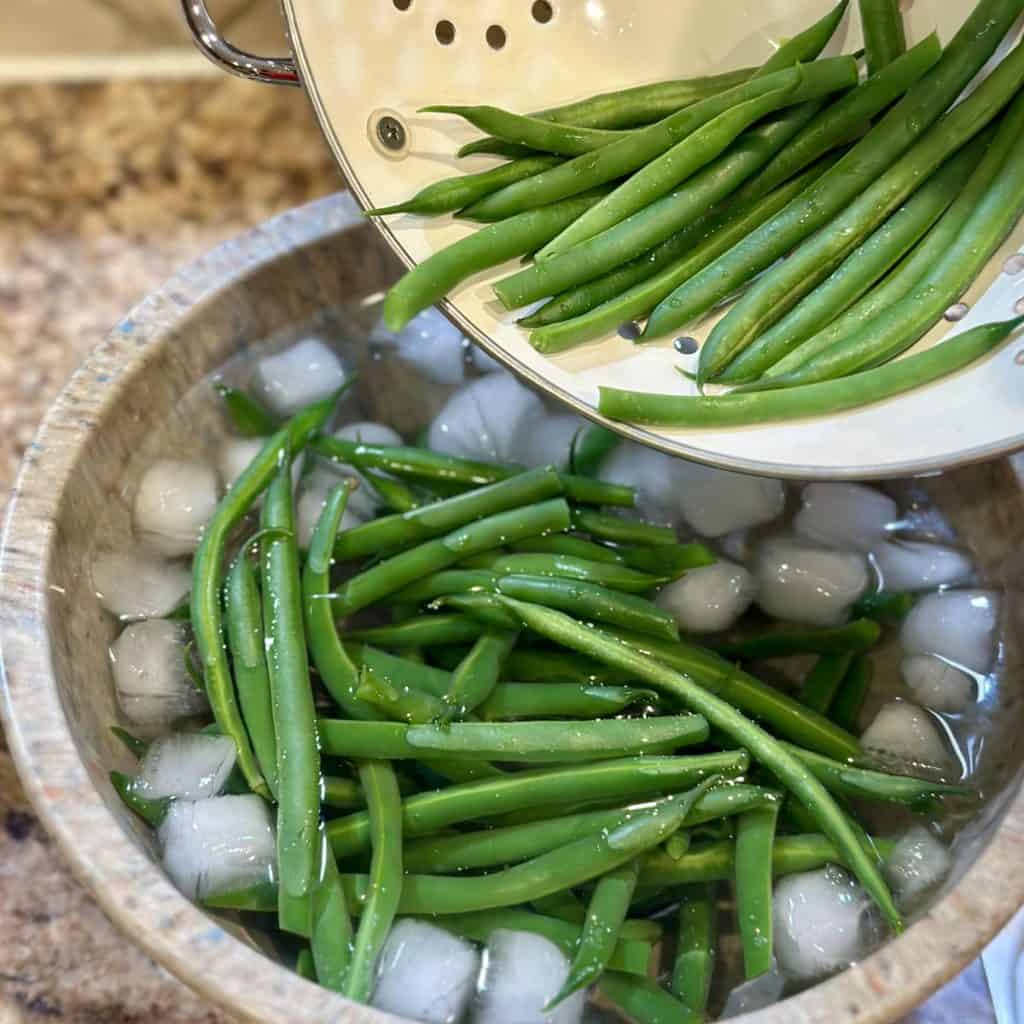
{"points": [[207, 616], [447, 581], [473, 680], [763, 748], [823, 398], [644, 1001], [384, 891], [822, 683], [884, 35], [621, 531], [459, 191], [697, 937], [884, 606], [786, 640], [529, 742], [298, 755], [511, 702], [390, 575], [568, 567], [330, 936], [244, 619], [424, 631], [853, 691], [567, 544], [755, 839], [621, 779], [151, 810], [249, 417]]}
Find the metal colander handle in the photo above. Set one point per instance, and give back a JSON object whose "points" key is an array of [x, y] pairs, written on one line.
{"points": [[213, 46]]}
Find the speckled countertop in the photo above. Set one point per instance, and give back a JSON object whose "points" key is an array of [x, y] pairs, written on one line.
{"points": [[104, 189]]}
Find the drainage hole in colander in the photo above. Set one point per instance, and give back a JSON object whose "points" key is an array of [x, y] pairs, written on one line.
{"points": [[402, 5], [496, 37], [444, 32], [542, 11], [685, 346]]}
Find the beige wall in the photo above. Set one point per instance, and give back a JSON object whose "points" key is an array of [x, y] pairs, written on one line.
{"points": [[75, 33]]}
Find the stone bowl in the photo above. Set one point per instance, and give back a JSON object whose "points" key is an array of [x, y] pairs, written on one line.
{"points": [[57, 695]]}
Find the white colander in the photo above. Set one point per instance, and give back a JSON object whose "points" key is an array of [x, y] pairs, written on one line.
{"points": [[368, 65]]}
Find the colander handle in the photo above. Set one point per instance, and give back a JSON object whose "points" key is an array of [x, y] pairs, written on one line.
{"points": [[275, 70]]}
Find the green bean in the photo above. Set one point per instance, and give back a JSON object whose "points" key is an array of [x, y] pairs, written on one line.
{"points": [[781, 712], [854, 176], [573, 864], [669, 560], [445, 582], [384, 578], [755, 838], [207, 617], [546, 666], [528, 742], [896, 329], [716, 861], [680, 164], [343, 794], [630, 955], [608, 909], [639, 147], [808, 44], [621, 531], [627, 108], [607, 306], [401, 704], [921, 260], [401, 672], [536, 133], [565, 905], [567, 544], [858, 272], [513, 701], [385, 888], [621, 779], [846, 780], [133, 744], [823, 682], [510, 844], [644, 1001], [854, 637], [298, 756], [432, 279], [336, 670], [782, 287], [151, 810], [582, 570], [885, 39], [654, 223], [593, 603], [496, 147], [245, 639], [853, 691], [425, 631], [590, 448], [393, 494], [305, 966], [424, 465], [459, 191], [694, 962], [822, 398], [762, 747], [884, 606], [249, 417], [331, 929], [475, 677]]}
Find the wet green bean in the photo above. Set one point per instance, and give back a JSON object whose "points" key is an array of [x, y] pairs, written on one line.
{"points": [[249, 417], [567, 567], [644, 1001], [473, 680], [207, 616], [763, 748], [385, 881], [567, 544], [884, 606], [386, 577], [823, 398], [151, 810], [613, 780], [697, 936], [298, 755], [330, 937], [424, 631], [854, 637], [511, 702], [432, 279], [454, 193], [853, 691], [823, 682], [527, 742], [246, 644], [755, 839], [885, 38], [617, 530]]}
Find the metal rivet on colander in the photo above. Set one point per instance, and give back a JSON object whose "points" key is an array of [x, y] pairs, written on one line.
{"points": [[685, 346], [391, 132], [630, 330]]}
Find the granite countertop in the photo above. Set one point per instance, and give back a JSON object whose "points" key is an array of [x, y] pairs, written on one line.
{"points": [[104, 190]]}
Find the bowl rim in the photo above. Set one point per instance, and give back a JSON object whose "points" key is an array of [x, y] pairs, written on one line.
{"points": [[130, 887]]}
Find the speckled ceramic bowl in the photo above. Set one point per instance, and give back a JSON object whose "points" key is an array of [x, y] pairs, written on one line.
{"points": [[57, 691]]}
